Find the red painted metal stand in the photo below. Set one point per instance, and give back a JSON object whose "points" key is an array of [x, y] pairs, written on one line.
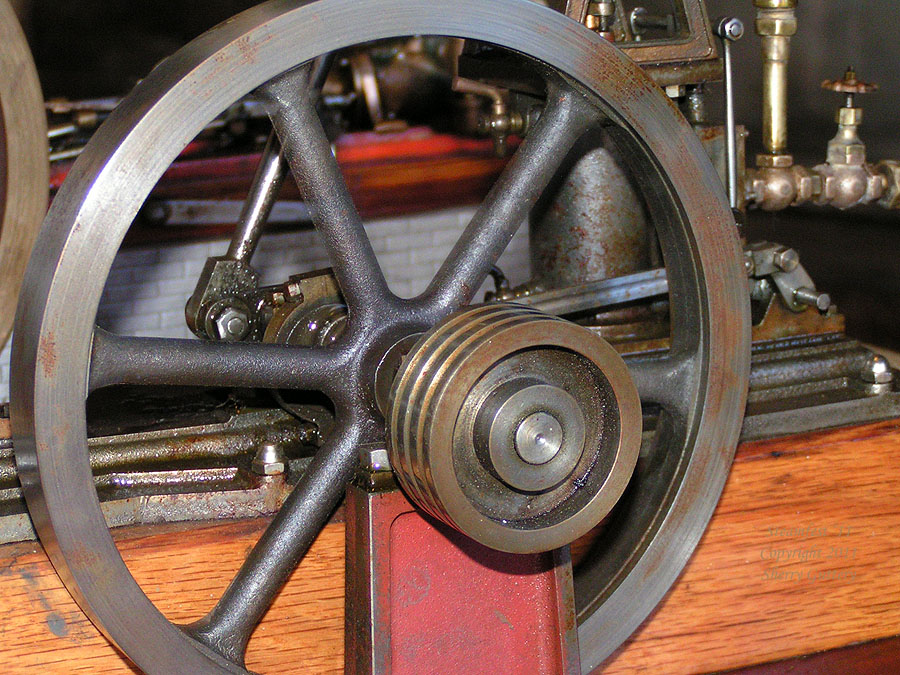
{"points": [[423, 598]]}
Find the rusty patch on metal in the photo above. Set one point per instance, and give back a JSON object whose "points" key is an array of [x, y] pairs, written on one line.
{"points": [[48, 356]]}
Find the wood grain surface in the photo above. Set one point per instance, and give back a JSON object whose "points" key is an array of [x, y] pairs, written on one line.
{"points": [[802, 555]]}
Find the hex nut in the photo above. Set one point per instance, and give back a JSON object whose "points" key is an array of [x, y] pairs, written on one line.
{"points": [[730, 28], [777, 26], [849, 117], [269, 461], [767, 161], [786, 259], [374, 459], [231, 324]]}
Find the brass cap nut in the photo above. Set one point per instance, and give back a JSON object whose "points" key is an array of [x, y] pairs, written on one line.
{"points": [[767, 161], [777, 25], [849, 117], [775, 4], [890, 172]]}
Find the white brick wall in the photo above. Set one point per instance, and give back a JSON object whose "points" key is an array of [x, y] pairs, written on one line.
{"points": [[147, 287]]}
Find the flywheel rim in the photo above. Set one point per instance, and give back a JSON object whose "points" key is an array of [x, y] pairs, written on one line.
{"points": [[93, 209], [24, 166]]}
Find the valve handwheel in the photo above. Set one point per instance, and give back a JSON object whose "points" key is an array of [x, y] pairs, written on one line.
{"points": [[699, 384]]}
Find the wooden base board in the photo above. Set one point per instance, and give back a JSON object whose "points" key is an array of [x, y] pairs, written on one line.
{"points": [[802, 555]]}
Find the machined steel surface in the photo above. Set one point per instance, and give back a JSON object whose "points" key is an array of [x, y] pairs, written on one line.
{"points": [[467, 404], [700, 385]]}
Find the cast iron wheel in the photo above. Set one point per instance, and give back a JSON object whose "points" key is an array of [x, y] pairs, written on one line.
{"points": [[24, 170], [700, 384]]}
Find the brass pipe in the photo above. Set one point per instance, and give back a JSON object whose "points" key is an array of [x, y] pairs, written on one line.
{"points": [[776, 23]]}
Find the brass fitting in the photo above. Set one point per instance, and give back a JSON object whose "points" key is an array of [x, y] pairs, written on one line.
{"points": [[600, 18], [890, 174], [847, 180], [778, 183], [776, 23], [500, 125]]}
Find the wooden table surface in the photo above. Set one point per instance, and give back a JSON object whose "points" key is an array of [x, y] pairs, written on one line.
{"points": [[802, 555]]}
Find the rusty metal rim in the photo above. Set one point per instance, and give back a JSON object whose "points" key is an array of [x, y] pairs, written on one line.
{"points": [[111, 180], [24, 165]]}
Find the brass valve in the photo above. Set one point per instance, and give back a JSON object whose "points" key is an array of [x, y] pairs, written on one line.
{"points": [[846, 178], [500, 124]]}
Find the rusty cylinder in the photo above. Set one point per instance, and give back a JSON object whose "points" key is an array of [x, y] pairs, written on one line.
{"points": [[593, 226]]}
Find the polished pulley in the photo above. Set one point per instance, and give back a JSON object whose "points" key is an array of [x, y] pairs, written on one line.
{"points": [[517, 428]]}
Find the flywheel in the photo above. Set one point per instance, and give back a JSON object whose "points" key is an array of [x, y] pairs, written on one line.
{"points": [[24, 168], [545, 394]]}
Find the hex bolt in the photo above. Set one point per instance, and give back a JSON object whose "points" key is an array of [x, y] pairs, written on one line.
{"points": [[269, 460], [876, 370], [786, 259], [232, 325], [295, 291], [374, 458], [730, 28], [808, 296]]}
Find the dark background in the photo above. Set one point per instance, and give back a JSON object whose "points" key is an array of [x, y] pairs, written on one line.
{"points": [[93, 48]]}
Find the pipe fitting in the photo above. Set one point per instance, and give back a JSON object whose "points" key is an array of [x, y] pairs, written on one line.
{"points": [[781, 184], [890, 176], [846, 185]]}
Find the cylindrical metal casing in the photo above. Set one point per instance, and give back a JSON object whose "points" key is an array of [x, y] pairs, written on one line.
{"points": [[593, 226]]}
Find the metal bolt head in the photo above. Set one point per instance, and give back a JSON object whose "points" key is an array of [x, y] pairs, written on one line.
{"points": [[786, 259], [877, 370], [269, 461], [295, 291], [374, 458], [232, 324], [730, 28], [749, 265]]}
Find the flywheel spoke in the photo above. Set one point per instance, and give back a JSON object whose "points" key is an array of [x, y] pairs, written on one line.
{"points": [[314, 166], [565, 119], [117, 359], [666, 381], [227, 628]]}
